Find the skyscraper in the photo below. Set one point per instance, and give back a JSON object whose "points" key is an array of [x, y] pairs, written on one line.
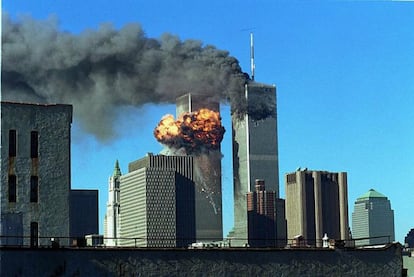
{"points": [[372, 219], [111, 222], [255, 151], [83, 213], [207, 175], [157, 202], [262, 214], [35, 173], [317, 204]]}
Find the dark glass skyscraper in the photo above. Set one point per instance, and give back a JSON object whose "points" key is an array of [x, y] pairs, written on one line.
{"points": [[255, 152]]}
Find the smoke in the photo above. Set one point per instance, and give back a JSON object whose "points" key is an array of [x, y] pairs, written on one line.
{"points": [[99, 71]]}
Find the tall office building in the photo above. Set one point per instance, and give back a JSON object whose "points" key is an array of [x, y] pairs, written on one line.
{"points": [[207, 175], [111, 221], [83, 213], [255, 152], [262, 210], [157, 202], [35, 173], [372, 219], [317, 204]]}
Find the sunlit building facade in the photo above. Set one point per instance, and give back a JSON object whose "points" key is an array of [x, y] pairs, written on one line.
{"points": [[372, 219]]}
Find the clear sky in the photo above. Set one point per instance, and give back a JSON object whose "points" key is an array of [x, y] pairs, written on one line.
{"points": [[344, 75]]}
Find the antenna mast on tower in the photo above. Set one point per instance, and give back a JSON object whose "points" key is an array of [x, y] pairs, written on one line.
{"points": [[252, 65]]}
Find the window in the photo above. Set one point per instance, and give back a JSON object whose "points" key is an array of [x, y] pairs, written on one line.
{"points": [[12, 143], [34, 144], [34, 234], [12, 188], [34, 189]]}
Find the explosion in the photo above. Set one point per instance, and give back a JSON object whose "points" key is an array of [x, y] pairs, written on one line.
{"points": [[196, 132]]}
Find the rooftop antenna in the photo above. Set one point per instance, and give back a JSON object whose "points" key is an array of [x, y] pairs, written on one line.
{"points": [[252, 66]]}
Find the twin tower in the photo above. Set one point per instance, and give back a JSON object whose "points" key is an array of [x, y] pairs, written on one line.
{"points": [[160, 190]]}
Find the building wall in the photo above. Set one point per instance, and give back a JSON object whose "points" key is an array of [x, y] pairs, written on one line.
{"points": [[261, 217], [255, 153], [111, 220], [201, 262], [157, 203], [373, 219], [316, 204], [83, 213], [51, 169], [133, 215]]}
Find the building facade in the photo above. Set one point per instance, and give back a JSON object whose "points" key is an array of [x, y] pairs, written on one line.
{"points": [[83, 213], [207, 176], [372, 219], [35, 173], [255, 152], [262, 212], [409, 239], [111, 221], [158, 202], [316, 204]]}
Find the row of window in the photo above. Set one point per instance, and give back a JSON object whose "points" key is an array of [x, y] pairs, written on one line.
{"points": [[34, 143], [34, 188]]}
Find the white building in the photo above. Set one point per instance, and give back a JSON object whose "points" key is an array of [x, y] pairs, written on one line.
{"points": [[111, 224]]}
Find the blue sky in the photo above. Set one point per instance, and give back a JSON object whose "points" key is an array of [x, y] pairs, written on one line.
{"points": [[344, 75]]}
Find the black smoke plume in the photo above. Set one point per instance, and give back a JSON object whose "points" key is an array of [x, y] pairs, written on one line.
{"points": [[99, 71]]}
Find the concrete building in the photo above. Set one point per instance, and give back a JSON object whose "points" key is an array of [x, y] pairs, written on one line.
{"points": [[372, 219], [83, 213], [157, 202], [262, 211], [111, 221], [35, 173], [409, 239], [207, 176], [255, 152], [316, 204]]}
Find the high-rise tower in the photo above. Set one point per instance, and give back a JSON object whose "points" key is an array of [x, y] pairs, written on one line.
{"points": [[157, 200], [207, 176], [317, 203], [255, 151], [372, 219], [111, 224]]}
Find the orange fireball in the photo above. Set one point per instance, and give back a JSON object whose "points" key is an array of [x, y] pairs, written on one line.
{"points": [[195, 132]]}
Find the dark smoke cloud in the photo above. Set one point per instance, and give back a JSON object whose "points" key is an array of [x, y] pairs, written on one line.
{"points": [[100, 70]]}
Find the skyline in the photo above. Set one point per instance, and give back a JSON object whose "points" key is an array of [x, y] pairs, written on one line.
{"points": [[343, 72]]}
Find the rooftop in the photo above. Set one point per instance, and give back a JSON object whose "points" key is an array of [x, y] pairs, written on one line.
{"points": [[371, 194]]}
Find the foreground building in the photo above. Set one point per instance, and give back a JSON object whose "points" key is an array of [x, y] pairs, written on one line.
{"points": [[316, 204], [409, 239], [372, 219], [157, 202], [35, 173], [255, 152]]}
